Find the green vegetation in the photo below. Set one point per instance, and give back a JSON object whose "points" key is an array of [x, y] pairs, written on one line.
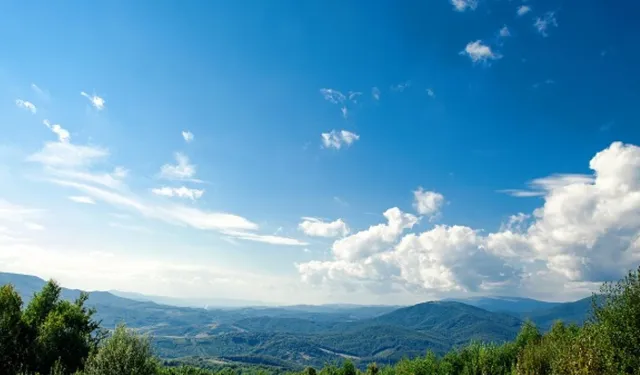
{"points": [[54, 336]]}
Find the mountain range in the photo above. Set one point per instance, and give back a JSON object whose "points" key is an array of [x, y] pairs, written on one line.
{"points": [[295, 336]]}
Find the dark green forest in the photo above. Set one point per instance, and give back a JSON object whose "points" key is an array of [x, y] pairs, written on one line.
{"points": [[51, 335]]}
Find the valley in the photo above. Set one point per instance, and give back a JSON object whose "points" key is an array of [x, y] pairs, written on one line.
{"points": [[292, 337]]}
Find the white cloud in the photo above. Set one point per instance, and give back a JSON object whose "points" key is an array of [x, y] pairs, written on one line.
{"points": [[375, 92], [227, 224], [541, 186], [337, 140], [542, 24], [479, 52], [317, 228], [37, 89], [353, 96], [59, 154], [265, 238], [587, 231], [523, 9], [181, 192], [462, 5], [183, 170], [26, 105], [111, 180], [400, 87], [15, 218], [333, 96], [82, 199], [188, 136], [504, 31], [427, 202], [431, 93], [545, 82], [96, 101], [345, 112], [375, 238], [33, 226], [63, 134]]}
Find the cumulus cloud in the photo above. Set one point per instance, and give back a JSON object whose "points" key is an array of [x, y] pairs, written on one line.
{"points": [[180, 192], [182, 170], [374, 239], [504, 31], [542, 24], [587, 231], [462, 5], [63, 134], [523, 9], [317, 228], [479, 52], [431, 93], [26, 105], [338, 139], [427, 202], [82, 199], [188, 136], [96, 101]]}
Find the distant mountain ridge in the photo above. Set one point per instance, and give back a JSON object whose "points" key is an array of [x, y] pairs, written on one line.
{"points": [[301, 335]]}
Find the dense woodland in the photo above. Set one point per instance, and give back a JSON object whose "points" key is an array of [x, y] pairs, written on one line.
{"points": [[55, 336]]}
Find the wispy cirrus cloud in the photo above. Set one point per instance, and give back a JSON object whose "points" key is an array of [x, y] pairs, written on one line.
{"points": [[479, 52], [375, 93], [400, 87], [333, 96], [179, 192], [542, 24], [82, 199], [338, 139], [96, 101], [541, 186], [68, 155], [545, 82], [26, 105]]}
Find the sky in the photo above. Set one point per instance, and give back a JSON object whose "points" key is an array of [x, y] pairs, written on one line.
{"points": [[323, 151]]}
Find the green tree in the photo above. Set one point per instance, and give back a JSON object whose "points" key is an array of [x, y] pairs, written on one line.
{"points": [[12, 331], [123, 353], [617, 317]]}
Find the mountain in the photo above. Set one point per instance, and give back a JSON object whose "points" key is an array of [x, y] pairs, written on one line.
{"points": [[300, 335], [205, 303], [506, 304], [569, 312]]}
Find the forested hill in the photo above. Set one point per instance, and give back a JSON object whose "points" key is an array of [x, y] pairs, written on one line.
{"points": [[312, 335]]}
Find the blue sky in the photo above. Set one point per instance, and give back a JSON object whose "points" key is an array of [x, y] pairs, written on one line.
{"points": [[309, 121]]}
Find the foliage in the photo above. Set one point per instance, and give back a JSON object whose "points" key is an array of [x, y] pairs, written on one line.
{"points": [[123, 353], [51, 335]]}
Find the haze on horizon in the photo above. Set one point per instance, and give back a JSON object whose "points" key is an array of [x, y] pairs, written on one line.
{"points": [[321, 152]]}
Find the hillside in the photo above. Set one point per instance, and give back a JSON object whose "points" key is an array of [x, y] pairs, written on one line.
{"points": [[298, 335], [515, 305]]}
